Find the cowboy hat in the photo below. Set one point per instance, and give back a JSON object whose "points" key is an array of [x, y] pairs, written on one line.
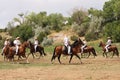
{"points": [[35, 38], [7, 38], [18, 38], [108, 37]]}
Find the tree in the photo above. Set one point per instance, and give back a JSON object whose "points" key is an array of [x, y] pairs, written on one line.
{"points": [[79, 16], [55, 21]]}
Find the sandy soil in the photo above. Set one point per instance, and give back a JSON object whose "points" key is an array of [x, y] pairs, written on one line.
{"points": [[99, 68]]}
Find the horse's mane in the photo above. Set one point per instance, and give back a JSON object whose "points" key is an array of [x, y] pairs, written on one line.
{"points": [[30, 43], [75, 43], [11, 43]]}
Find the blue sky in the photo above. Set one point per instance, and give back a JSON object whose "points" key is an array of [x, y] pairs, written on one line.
{"points": [[11, 8]]}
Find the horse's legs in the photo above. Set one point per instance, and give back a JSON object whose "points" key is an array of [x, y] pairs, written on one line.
{"points": [[59, 58], [106, 54], [78, 58], [113, 54], [40, 54], [89, 55], [43, 52], [70, 58]]}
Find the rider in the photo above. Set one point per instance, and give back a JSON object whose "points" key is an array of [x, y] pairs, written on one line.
{"points": [[7, 42], [35, 43], [84, 45], [17, 43], [67, 44], [108, 43]]}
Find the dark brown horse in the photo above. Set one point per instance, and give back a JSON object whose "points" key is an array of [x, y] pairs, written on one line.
{"points": [[39, 49], [75, 49], [89, 49], [111, 48]]}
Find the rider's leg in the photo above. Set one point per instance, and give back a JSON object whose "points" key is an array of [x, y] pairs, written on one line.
{"points": [[106, 47], [35, 47], [82, 49], [69, 50], [17, 49]]}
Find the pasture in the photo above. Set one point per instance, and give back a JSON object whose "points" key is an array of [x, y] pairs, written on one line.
{"points": [[99, 68]]}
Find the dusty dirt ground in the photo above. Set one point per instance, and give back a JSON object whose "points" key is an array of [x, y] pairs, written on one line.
{"points": [[98, 68]]}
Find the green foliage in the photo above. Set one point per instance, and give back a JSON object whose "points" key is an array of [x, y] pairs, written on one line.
{"points": [[73, 38], [79, 16], [91, 36], [41, 36], [0, 37], [113, 30], [24, 32], [55, 21], [47, 41], [111, 11]]}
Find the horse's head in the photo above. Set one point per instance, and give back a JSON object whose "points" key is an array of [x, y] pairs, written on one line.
{"points": [[101, 44], [78, 42], [26, 44]]}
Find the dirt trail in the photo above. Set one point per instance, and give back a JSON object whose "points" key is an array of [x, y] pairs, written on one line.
{"points": [[92, 69]]}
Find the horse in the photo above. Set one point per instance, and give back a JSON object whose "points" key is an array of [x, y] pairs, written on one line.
{"points": [[21, 51], [111, 48], [5, 51], [89, 49], [39, 49], [75, 49]]}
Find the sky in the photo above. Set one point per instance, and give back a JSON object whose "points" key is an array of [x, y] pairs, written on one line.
{"points": [[10, 9]]}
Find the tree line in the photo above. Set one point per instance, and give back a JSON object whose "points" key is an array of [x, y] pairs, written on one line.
{"points": [[91, 23]]}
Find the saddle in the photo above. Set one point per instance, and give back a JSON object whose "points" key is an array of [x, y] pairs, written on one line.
{"points": [[65, 50]]}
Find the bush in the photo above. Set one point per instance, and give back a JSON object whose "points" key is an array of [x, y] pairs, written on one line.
{"points": [[91, 36], [73, 38], [113, 30], [0, 37], [41, 36], [47, 41]]}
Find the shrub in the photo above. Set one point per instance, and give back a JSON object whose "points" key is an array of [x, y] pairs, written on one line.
{"points": [[73, 38], [47, 41]]}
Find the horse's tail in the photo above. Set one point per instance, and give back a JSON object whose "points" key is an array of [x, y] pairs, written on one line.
{"points": [[117, 52], [53, 57], [94, 52]]}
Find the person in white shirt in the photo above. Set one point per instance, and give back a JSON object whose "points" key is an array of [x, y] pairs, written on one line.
{"points": [[7, 42], [35, 44], [85, 44], [17, 43], [108, 43], [67, 44]]}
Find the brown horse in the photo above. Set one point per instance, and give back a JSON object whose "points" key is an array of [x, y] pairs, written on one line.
{"points": [[89, 49], [21, 51], [111, 48], [39, 49], [6, 51], [75, 49]]}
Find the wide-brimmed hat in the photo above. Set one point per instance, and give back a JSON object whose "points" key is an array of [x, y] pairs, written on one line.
{"points": [[109, 37], [35, 38], [7, 38], [17, 37]]}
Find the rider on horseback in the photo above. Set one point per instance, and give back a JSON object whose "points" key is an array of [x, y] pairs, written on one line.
{"points": [[17, 43], [7, 42], [35, 43], [108, 43], [67, 44], [84, 45]]}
